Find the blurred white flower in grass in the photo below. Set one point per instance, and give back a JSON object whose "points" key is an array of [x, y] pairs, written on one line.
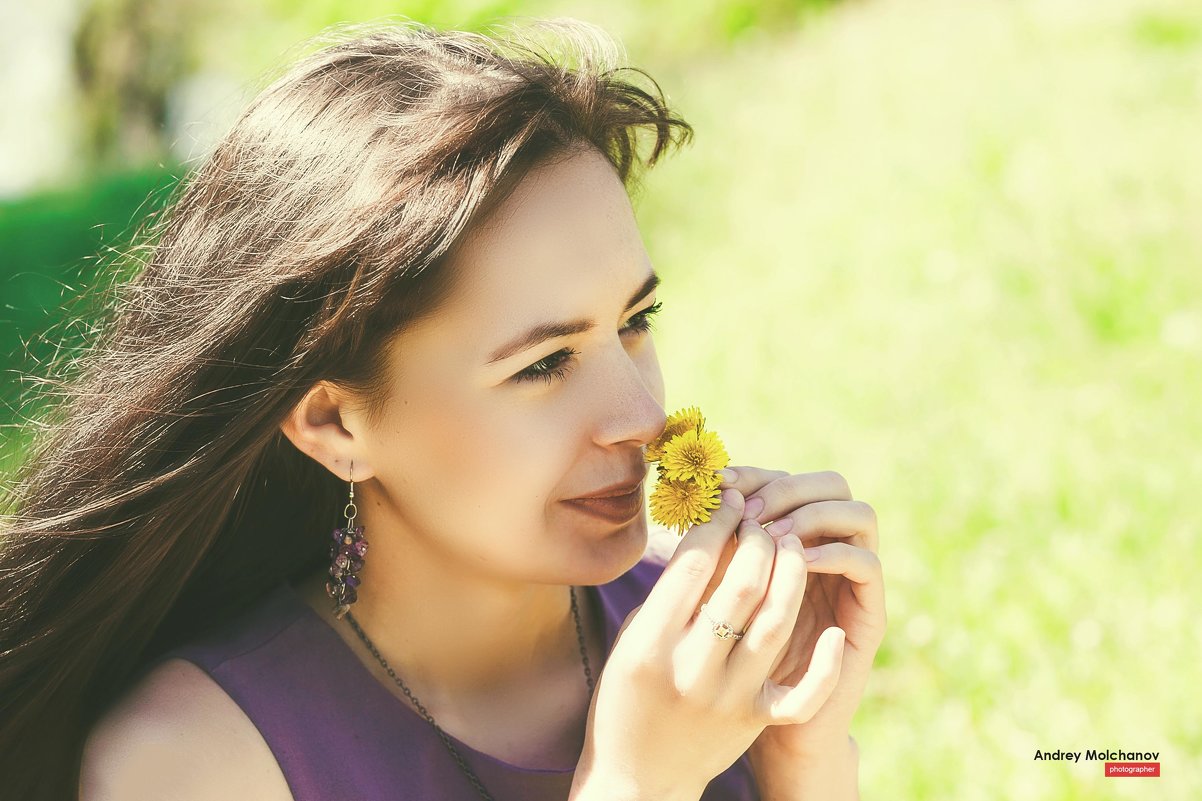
{"points": [[920, 629], [1183, 330]]}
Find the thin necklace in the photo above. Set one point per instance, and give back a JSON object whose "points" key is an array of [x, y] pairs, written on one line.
{"points": [[588, 675]]}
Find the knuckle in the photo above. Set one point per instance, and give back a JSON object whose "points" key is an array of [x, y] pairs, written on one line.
{"points": [[836, 478], [874, 561], [778, 482], [689, 689], [806, 518], [868, 510], [646, 667], [745, 593], [697, 564], [678, 688], [774, 629], [841, 549], [729, 706], [791, 481]]}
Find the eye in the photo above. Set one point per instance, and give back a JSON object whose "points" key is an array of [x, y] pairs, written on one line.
{"points": [[559, 363], [642, 321], [554, 366]]}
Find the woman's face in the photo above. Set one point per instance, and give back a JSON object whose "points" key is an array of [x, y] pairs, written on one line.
{"points": [[483, 440]]}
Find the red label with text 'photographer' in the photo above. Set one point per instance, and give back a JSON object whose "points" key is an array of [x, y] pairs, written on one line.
{"points": [[1132, 768]]}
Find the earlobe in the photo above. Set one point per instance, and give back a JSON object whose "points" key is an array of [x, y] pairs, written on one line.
{"points": [[352, 469], [345, 469]]}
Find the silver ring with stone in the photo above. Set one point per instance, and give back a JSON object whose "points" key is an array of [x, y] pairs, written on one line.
{"points": [[722, 629]]}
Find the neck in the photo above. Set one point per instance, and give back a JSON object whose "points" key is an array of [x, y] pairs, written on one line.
{"points": [[458, 637]]}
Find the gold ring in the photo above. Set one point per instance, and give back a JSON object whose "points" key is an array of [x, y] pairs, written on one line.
{"points": [[722, 630]]}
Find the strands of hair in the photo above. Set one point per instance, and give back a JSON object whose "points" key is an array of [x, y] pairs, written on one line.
{"points": [[159, 497]]}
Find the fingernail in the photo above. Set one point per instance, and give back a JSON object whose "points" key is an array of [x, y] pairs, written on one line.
{"points": [[780, 527], [812, 554], [729, 496], [728, 476], [790, 542], [753, 508]]}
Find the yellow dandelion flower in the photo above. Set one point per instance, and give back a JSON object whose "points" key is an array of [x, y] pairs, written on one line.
{"points": [[688, 460], [677, 504], [694, 455], [689, 419]]}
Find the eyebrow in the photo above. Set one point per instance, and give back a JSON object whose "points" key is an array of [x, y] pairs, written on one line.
{"points": [[545, 331]]}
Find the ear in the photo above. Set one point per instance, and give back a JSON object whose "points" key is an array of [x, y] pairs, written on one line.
{"points": [[325, 426]]}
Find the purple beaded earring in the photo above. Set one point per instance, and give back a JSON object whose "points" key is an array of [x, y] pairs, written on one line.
{"points": [[347, 552]]}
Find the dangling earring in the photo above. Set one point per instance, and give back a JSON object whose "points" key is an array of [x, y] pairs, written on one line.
{"points": [[347, 552]]}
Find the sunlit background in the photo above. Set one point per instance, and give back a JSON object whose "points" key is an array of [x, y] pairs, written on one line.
{"points": [[950, 249]]}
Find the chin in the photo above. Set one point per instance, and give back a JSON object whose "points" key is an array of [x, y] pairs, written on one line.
{"points": [[614, 553]]}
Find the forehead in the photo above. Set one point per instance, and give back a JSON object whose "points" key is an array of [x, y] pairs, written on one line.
{"points": [[565, 234]]}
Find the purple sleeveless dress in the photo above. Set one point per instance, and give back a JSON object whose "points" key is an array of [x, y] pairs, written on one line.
{"points": [[340, 735]]}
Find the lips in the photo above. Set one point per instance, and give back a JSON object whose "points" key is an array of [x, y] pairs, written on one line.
{"points": [[624, 489], [614, 490], [611, 508]]}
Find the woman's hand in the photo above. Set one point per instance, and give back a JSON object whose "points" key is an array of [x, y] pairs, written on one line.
{"points": [[675, 705], [844, 589]]}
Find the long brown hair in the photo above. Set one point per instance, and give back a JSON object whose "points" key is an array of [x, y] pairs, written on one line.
{"points": [[159, 497]]}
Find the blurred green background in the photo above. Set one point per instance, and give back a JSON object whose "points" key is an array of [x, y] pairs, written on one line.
{"points": [[949, 249]]}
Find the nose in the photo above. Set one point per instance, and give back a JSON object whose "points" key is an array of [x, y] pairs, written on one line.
{"points": [[629, 405]]}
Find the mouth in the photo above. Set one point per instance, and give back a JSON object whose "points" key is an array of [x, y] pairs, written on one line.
{"points": [[612, 509]]}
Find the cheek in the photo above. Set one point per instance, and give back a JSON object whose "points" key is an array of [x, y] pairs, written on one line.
{"points": [[529, 448], [495, 460]]}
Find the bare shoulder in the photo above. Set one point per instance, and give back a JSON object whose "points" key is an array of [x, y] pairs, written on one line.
{"points": [[177, 733]]}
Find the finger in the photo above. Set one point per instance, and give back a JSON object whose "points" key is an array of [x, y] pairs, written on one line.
{"points": [[626, 622], [788, 492], [734, 603], [676, 595], [728, 553], [783, 704], [773, 625], [853, 521], [749, 479], [861, 567]]}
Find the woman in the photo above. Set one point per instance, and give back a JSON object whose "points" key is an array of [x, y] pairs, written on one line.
{"points": [[406, 293]]}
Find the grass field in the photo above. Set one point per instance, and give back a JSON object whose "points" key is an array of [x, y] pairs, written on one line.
{"points": [[952, 250]]}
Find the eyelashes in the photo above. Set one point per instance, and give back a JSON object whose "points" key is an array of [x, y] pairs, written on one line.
{"points": [[559, 364]]}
